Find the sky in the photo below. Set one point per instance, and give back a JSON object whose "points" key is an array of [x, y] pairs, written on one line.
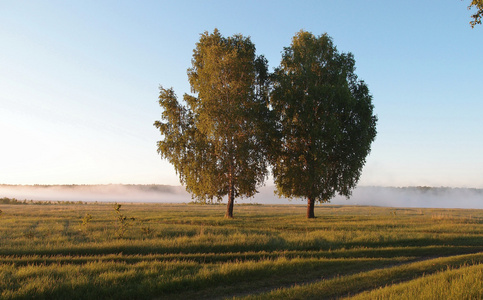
{"points": [[79, 83]]}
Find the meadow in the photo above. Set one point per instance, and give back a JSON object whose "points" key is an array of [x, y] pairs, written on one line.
{"points": [[183, 251]]}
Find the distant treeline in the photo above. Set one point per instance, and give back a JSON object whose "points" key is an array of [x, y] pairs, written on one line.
{"points": [[169, 188], [160, 188], [433, 190], [14, 201]]}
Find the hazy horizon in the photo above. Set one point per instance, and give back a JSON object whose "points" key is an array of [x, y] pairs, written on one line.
{"points": [[430, 197]]}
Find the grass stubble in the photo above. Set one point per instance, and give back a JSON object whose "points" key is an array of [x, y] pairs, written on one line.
{"points": [[183, 251]]}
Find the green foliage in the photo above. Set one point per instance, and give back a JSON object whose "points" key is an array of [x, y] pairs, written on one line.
{"points": [[316, 128], [325, 120], [217, 142]]}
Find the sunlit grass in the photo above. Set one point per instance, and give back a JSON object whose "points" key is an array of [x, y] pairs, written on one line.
{"points": [[350, 284], [190, 251], [463, 283]]}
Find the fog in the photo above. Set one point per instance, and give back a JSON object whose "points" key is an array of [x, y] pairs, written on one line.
{"points": [[100, 193], [376, 196], [415, 197], [395, 197]]}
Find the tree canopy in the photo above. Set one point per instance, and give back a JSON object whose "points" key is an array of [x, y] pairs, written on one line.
{"points": [[217, 141], [325, 121], [312, 120]]}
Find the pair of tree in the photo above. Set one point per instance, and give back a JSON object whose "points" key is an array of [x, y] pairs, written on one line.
{"points": [[311, 120]]}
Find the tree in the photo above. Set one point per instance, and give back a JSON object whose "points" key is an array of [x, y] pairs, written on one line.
{"points": [[217, 141], [325, 121], [478, 4]]}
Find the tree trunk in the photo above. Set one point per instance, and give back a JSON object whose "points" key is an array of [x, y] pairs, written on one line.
{"points": [[310, 208], [231, 197], [229, 206]]}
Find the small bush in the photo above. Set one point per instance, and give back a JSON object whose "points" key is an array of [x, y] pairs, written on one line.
{"points": [[123, 221]]}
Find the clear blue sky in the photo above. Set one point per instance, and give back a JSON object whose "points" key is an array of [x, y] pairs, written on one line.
{"points": [[79, 82]]}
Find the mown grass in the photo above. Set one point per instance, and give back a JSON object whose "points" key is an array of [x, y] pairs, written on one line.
{"points": [[189, 251]]}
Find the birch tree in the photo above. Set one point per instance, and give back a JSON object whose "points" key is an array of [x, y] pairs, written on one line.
{"points": [[325, 121], [216, 139]]}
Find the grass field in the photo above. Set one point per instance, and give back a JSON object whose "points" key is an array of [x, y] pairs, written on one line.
{"points": [[162, 251]]}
